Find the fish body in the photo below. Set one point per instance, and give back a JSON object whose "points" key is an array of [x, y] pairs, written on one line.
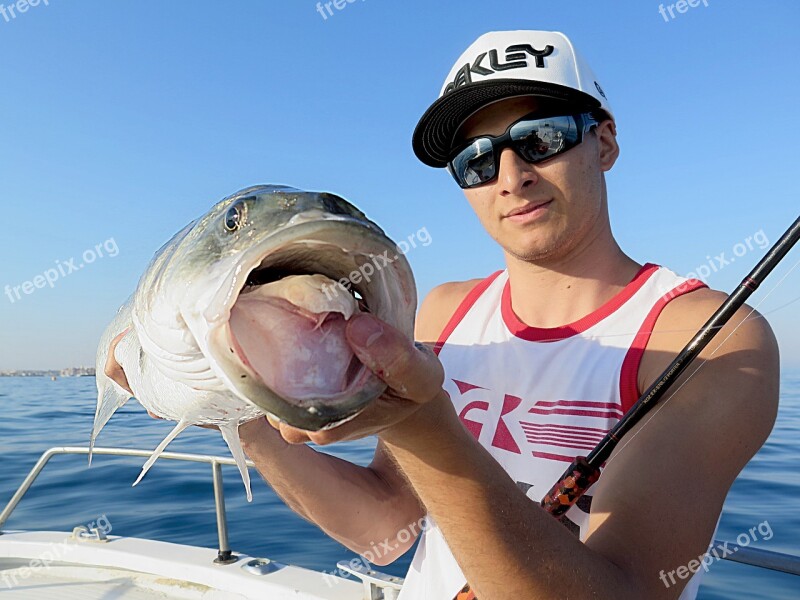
{"points": [[242, 313]]}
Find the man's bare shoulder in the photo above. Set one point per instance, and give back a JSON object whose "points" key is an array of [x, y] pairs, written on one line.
{"points": [[438, 306], [683, 317]]}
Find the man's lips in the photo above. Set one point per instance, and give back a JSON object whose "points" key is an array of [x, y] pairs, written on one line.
{"points": [[527, 208]]}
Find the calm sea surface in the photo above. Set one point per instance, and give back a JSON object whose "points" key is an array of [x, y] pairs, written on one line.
{"points": [[175, 501]]}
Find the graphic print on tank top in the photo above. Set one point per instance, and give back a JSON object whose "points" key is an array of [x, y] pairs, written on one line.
{"points": [[536, 398]]}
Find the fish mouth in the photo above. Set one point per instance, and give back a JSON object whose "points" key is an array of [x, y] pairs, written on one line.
{"points": [[289, 356]]}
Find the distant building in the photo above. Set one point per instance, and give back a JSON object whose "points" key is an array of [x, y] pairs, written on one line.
{"points": [[78, 372], [69, 372]]}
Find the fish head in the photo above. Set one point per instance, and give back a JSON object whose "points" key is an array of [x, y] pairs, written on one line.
{"points": [[262, 286]]}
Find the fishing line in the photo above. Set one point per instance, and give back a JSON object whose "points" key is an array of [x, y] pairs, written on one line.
{"points": [[750, 317]]}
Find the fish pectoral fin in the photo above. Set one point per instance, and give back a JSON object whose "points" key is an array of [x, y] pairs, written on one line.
{"points": [[230, 433], [110, 398], [180, 426]]}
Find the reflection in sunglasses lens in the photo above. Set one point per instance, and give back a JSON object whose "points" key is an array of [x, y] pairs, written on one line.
{"points": [[480, 167]]}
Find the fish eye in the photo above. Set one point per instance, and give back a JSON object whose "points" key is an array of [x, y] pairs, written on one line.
{"points": [[234, 218]]}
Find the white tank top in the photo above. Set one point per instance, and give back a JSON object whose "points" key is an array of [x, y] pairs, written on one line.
{"points": [[537, 398]]}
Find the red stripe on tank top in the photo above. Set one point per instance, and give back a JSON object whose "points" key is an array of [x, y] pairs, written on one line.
{"points": [[577, 428], [546, 441], [586, 437], [463, 308], [629, 375], [578, 413], [551, 456], [583, 403], [554, 334]]}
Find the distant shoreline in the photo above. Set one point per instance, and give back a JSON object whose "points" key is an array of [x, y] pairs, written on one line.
{"points": [[69, 372]]}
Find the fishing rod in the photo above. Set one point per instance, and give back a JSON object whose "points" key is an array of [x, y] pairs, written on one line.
{"points": [[585, 470]]}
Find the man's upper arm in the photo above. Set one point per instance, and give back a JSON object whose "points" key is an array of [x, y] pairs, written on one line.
{"points": [[657, 503], [437, 308]]}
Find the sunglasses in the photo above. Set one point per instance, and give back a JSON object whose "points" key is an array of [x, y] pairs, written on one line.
{"points": [[534, 139]]}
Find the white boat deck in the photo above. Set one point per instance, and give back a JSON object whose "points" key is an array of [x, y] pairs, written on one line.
{"points": [[81, 583], [46, 565]]}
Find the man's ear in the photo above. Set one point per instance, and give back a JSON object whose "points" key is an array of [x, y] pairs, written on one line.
{"points": [[607, 147]]}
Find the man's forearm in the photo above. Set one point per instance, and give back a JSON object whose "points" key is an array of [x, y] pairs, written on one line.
{"points": [[506, 544], [348, 502]]}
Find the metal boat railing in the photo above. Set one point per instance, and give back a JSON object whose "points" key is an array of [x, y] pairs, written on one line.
{"points": [[766, 559], [756, 557], [224, 554]]}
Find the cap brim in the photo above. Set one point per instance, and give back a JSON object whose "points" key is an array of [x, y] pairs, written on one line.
{"points": [[433, 136]]}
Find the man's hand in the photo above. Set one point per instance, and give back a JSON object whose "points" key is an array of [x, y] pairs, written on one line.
{"points": [[116, 373], [412, 372], [113, 369]]}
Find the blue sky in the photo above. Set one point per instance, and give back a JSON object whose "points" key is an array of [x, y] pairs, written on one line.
{"points": [[125, 120]]}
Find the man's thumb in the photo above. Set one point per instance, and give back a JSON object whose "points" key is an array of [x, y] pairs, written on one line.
{"points": [[412, 372]]}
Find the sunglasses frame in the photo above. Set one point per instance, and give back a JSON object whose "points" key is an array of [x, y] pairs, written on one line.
{"points": [[583, 123]]}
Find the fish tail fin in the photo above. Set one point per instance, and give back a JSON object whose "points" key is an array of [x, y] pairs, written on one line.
{"points": [[230, 433], [180, 426]]}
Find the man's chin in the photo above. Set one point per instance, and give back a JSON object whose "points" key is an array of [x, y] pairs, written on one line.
{"points": [[537, 254]]}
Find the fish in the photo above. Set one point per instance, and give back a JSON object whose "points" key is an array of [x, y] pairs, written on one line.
{"points": [[242, 314]]}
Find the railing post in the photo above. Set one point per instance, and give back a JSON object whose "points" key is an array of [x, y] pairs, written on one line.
{"points": [[25, 486], [224, 555]]}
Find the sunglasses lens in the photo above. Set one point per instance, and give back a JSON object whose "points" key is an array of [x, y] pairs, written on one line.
{"points": [[474, 164], [538, 139]]}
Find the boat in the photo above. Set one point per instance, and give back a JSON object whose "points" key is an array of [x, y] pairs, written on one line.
{"points": [[88, 564]]}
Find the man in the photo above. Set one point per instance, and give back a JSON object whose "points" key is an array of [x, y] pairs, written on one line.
{"points": [[534, 364]]}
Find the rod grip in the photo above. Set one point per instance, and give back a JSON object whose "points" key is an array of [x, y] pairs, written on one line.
{"points": [[576, 480], [466, 593]]}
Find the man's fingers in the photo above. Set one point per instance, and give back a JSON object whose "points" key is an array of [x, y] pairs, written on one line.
{"points": [[412, 371], [292, 435], [112, 368]]}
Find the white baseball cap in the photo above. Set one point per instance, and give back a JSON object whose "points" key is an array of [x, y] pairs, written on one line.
{"points": [[505, 64]]}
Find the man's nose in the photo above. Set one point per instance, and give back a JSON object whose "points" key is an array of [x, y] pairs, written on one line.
{"points": [[515, 174]]}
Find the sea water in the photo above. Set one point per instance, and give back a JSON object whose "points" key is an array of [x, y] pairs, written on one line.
{"points": [[175, 501]]}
